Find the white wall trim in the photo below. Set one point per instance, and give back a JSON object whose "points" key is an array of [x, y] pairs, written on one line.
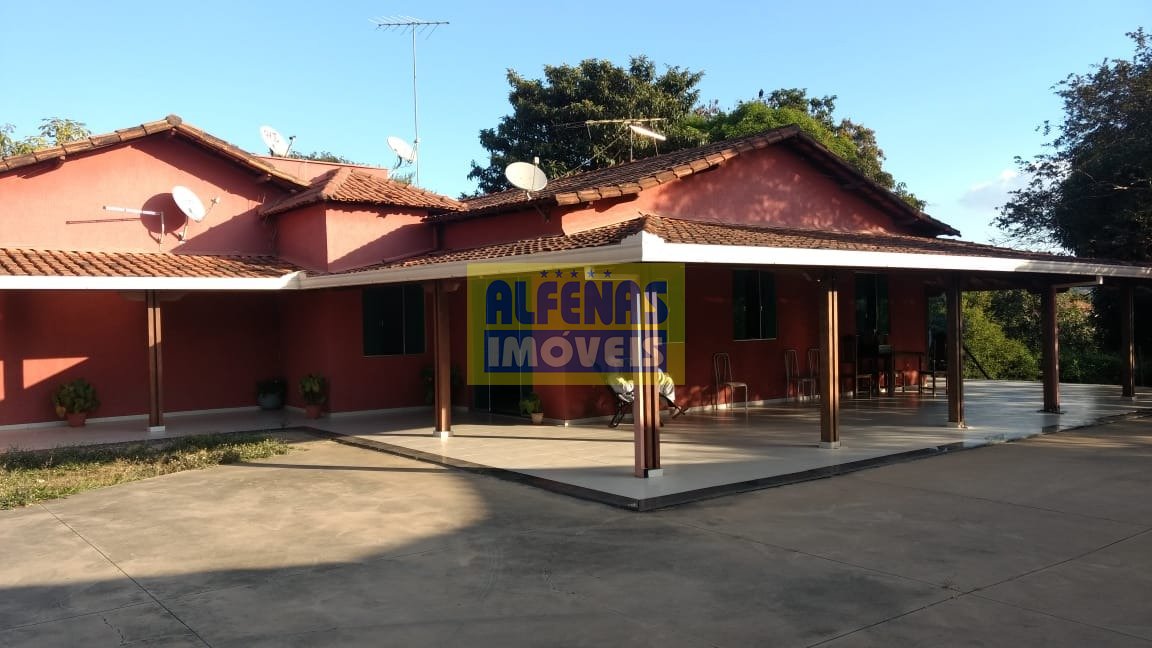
{"points": [[658, 250]]}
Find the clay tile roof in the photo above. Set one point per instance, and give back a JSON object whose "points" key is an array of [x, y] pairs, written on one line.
{"points": [[57, 263], [676, 230], [634, 177], [171, 123], [593, 238], [352, 186]]}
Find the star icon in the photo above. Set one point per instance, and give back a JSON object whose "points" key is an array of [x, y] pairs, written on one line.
{"points": [[607, 273], [591, 273], [574, 274], [559, 274], [544, 274]]}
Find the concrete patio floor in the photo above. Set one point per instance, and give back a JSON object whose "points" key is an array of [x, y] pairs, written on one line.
{"points": [[705, 453], [1046, 542]]}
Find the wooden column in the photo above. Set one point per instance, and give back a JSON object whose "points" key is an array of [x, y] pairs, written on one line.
{"points": [[955, 352], [646, 407], [1128, 341], [829, 327], [155, 362], [442, 357], [1050, 349]]}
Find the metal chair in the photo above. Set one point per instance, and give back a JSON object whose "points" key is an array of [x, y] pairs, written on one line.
{"points": [[814, 370], [722, 369], [804, 385], [859, 375]]}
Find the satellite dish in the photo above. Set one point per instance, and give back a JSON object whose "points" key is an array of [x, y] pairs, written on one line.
{"points": [[274, 141], [647, 132], [188, 203], [526, 176], [402, 149]]}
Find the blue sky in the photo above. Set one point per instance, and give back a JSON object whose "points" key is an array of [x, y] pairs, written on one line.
{"points": [[954, 93]]}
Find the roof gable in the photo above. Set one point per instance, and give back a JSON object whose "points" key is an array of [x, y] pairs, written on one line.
{"points": [[635, 177], [349, 185], [171, 124]]}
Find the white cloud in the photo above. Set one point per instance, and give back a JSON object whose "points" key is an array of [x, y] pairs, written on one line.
{"points": [[989, 195]]}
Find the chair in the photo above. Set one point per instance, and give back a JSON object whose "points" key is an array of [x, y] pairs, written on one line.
{"points": [[814, 370], [804, 385], [722, 369], [624, 395], [936, 361], [851, 367]]}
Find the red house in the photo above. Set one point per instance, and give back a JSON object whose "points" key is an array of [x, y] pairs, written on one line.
{"points": [[303, 267]]}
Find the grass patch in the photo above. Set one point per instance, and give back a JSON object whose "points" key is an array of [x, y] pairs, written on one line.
{"points": [[28, 476]]}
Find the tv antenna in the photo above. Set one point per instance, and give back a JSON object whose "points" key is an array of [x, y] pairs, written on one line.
{"points": [[635, 127], [275, 142], [412, 25]]}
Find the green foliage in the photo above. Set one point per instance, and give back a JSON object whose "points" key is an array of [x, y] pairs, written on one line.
{"points": [[31, 476], [75, 397], [321, 156], [548, 118], [1002, 357], [314, 389], [854, 143], [1092, 193], [52, 132], [531, 404]]}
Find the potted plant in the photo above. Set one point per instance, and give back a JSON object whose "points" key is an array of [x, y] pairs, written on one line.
{"points": [[314, 391], [270, 393], [75, 400], [532, 406]]}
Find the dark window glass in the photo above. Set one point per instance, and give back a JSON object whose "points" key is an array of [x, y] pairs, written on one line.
{"points": [[872, 318], [393, 319], [753, 305]]}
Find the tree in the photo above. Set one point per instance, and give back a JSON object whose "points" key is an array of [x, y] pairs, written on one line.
{"points": [[549, 118], [1092, 193], [52, 132], [853, 142]]}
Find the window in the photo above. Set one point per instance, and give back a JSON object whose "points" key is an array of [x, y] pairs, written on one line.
{"points": [[872, 305], [393, 319], [753, 305]]}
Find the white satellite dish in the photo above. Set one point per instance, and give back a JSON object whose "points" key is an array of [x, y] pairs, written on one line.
{"points": [[647, 132], [526, 176], [402, 149], [274, 141], [189, 203]]}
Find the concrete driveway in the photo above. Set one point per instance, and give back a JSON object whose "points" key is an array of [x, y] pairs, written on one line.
{"points": [[1041, 542]]}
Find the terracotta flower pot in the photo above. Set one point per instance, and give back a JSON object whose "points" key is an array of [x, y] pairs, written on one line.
{"points": [[537, 417], [76, 419], [313, 411]]}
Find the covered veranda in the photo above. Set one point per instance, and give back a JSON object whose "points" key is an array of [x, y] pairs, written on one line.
{"points": [[706, 453]]}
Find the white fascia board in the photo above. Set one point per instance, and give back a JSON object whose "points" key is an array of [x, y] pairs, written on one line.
{"points": [[289, 281], [657, 250], [627, 251]]}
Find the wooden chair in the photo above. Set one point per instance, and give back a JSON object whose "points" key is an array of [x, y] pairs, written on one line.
{"points": [[804, 385], [851, 367], [722, 370]]}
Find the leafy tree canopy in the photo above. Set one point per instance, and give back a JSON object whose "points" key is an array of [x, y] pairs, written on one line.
{"points": [[549, 118], [52, 132], [1092, 192]]}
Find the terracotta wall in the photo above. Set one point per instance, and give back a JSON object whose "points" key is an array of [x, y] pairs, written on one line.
{"points": [[47, 338], [59, 205], [323, 333]]}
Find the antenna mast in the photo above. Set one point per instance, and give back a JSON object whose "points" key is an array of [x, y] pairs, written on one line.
{"points": [[413, 25]]}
